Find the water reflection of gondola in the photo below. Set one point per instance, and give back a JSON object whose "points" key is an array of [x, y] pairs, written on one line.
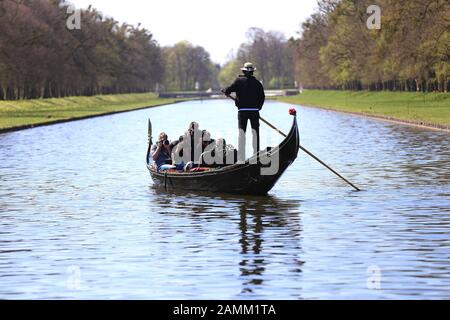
{"points": [[269, 231], [257, 249]]}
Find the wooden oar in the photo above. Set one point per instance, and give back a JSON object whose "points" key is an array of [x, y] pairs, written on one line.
{"points": [[310, 154], [305, 150]]}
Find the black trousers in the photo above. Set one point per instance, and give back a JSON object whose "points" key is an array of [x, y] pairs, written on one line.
{"points": [[243, 118]]}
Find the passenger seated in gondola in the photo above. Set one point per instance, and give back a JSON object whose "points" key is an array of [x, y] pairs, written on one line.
{"points": [[174, 144], [177, 153], [189, 146], [161, 154], [219, 156], [194, 135], [207, 143]]}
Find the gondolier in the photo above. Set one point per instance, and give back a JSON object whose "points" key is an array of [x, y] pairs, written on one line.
{"points": [[249, 100]]}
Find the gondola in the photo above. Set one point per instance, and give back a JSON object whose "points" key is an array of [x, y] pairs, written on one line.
{"points": [[247, 178]]}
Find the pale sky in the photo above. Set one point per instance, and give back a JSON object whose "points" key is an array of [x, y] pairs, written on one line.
{"points": [[218, 26]]}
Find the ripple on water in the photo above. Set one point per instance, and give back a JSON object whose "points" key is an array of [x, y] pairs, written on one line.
{"points": [[79, 217]]}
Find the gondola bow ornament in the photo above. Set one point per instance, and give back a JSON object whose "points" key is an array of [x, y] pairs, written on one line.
{"points": [[292, 112]]}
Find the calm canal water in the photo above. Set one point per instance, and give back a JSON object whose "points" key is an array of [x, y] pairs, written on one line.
{"points": [[79, 217]]}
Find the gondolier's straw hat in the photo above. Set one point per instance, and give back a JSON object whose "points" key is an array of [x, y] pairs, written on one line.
{"points": [[248, 67]]}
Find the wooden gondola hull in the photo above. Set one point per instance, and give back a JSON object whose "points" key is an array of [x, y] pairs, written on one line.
{"points": [[244, 178]]}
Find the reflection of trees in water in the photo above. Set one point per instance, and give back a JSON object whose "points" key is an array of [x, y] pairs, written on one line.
{"points": [[268, 227]]}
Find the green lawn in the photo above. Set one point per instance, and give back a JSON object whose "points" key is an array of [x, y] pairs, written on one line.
{"points": [[32, 112], [429, 108]]}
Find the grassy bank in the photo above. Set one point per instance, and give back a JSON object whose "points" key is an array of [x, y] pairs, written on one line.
{"points": [[23, 113], [431, 109]]}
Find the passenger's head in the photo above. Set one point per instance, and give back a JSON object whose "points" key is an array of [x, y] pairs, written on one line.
{"points": [[221, 144], [163, 139], [162, 136], [193, 126], [206, 136]]}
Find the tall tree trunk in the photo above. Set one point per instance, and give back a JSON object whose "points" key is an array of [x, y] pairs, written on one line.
{"points": [[47, 90], [9, 93]]}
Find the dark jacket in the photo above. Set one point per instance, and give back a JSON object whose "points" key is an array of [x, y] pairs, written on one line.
{"points": [[249, 92]]}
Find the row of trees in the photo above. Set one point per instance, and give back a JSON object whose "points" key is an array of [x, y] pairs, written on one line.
{"points": [[188, 67], [272, 55], [411, 51], [41, 58]]}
